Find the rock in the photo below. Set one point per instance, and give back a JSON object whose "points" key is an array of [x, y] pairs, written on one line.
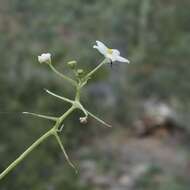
{"points": [[156, 116]]}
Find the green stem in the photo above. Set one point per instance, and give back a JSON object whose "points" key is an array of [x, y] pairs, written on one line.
{"points": [[77, 96], [24, 154], [41, 116], [68, 112], [60, 97], [98, 119], [62, 75], [83, 109], [64, 152], [95, 69]]}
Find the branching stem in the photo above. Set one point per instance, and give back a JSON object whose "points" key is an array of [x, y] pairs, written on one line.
{"points": [[74, 83], [58, 120]]}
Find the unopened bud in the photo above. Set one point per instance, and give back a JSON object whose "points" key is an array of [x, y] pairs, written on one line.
{"points": [[44, 58], [83, 120], [80, 72], [72, 64]]}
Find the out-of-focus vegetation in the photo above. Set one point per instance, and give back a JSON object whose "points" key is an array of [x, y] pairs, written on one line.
{"points": [[154, 35]]}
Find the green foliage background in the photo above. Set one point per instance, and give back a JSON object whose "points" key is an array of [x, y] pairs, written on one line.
{"points": [[154, 35]]}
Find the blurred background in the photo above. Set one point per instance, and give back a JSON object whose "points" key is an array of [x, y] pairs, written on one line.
{"points": [[147, 101]]}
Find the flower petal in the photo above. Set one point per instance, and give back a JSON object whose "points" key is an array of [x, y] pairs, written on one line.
{"points": [[95, 46], [116, 52], [114, 55], [101, 47], [122, 59]]}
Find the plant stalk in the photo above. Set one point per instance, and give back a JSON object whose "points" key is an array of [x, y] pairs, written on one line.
{"points": [[74, 83], [25, 153], [95, 69]]}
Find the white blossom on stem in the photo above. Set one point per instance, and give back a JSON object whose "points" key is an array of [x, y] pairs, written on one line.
{"points": [[44, 58], [112, 54]]}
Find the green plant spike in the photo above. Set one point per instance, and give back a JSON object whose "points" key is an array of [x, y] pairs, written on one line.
{"points": [[98, 119], [41, 116], [65, 153], [59, 97]]}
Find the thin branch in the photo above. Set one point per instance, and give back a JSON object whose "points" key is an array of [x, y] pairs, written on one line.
{"points": [[60, 129], [60, 97], [101, 121], [64, 152], [41, 116], [62, 75], [95, 69]]}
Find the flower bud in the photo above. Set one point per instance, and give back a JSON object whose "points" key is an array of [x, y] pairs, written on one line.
{"points": [[44, 58], [83, 120], [80, 72], [72, 64]]}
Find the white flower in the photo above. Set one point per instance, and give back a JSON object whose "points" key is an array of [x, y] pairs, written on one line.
{"points": [[44, 58], [83, 120], [112, 54]]}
